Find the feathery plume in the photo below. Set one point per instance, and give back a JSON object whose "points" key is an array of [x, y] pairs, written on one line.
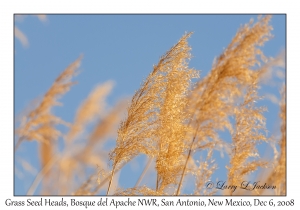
{"points": [[214, 98], [172, 119], [144, 121], [40, 123], [90, 108]]}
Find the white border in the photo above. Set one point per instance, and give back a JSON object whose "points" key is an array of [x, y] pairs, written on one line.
{"points": [[8, 8]]}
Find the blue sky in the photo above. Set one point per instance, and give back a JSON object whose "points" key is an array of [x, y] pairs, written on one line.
{"points": [[122, 48]]}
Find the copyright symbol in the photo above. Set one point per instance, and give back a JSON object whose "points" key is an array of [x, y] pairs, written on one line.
{"points": [[209, 185]]}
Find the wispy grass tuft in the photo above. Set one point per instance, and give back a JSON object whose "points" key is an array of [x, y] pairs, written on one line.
{"points": [[249, 131], [214, 98], [40, 123], [150, 126]]}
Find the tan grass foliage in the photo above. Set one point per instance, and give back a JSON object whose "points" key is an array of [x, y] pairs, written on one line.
{"points": [[168, 120]]}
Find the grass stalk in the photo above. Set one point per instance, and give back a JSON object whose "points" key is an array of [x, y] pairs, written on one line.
{"points": [[144, 172], [111, 179]]}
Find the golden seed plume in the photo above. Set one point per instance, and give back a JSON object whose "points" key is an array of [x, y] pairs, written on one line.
{"points": [[172, 119], [138, 133], [215, 97], [90, 108], [39, 123]]}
